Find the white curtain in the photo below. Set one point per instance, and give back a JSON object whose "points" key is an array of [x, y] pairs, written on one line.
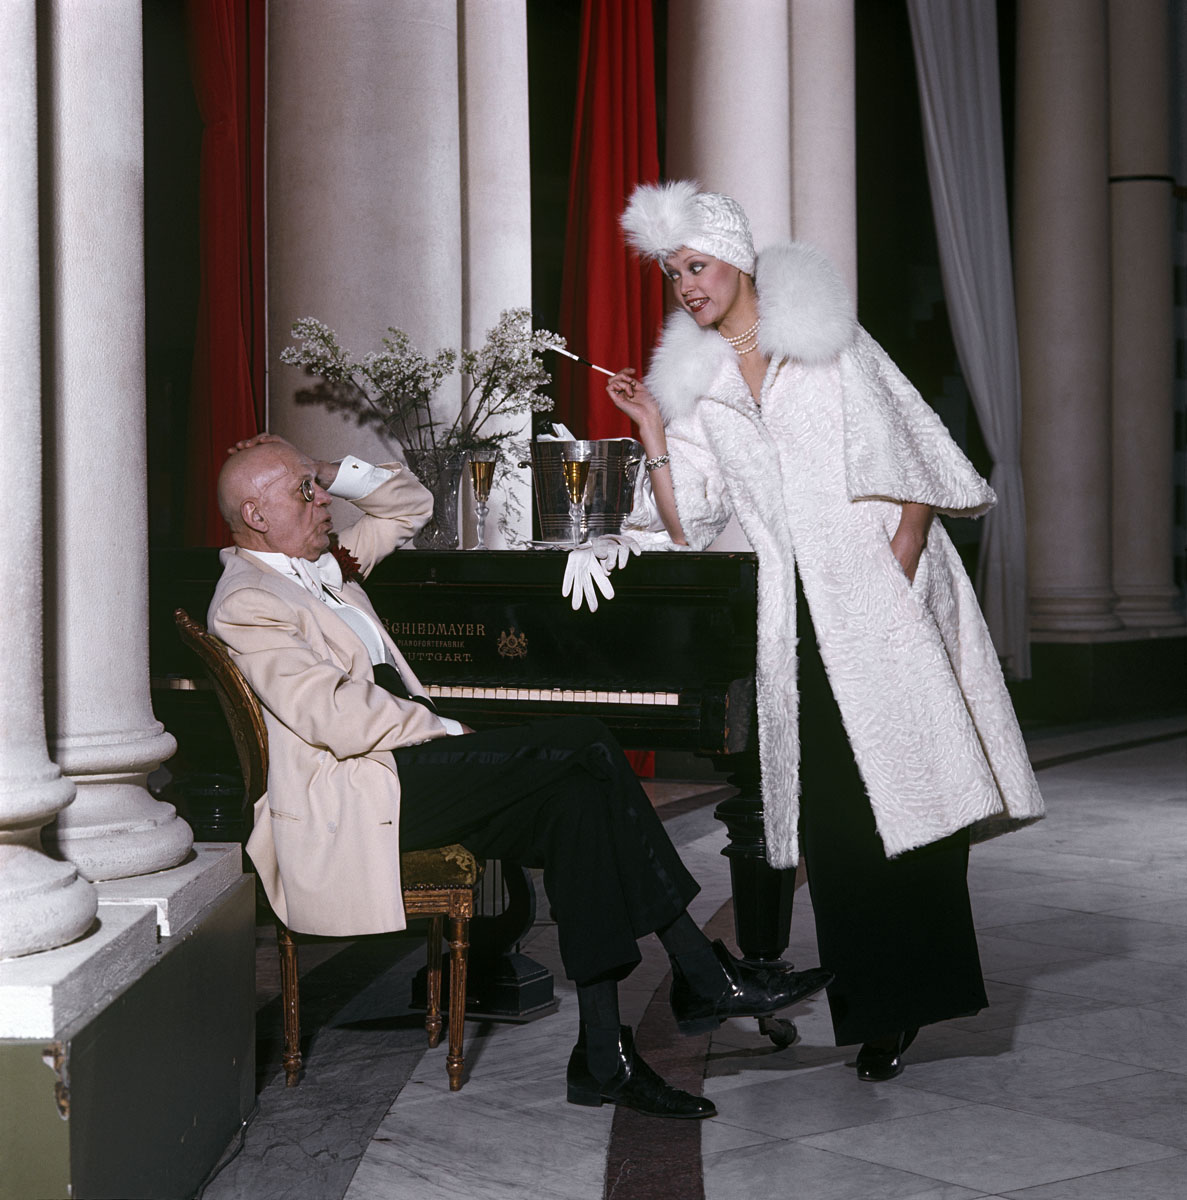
{"points": [[960, 97]]}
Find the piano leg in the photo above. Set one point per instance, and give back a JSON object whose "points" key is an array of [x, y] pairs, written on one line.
{"points": [[762, 897]]}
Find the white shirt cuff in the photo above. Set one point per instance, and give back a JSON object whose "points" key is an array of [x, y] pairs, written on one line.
{"points": [[452, 727], [357, 479]]}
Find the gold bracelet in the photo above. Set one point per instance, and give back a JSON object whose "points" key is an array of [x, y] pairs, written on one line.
{"points": [[654, 464]]}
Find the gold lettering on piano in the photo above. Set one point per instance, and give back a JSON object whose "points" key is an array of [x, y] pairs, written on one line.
{"points": [[400, 629], [435, 641], [513, 644]]}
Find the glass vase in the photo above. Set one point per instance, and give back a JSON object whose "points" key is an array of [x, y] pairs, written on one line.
{"points": [[441, 472]]}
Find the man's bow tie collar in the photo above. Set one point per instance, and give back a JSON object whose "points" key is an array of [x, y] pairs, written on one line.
{"points": [[336, 567], [315, 575]]}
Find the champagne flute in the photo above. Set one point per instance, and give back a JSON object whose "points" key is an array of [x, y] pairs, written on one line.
{"points": [[576, 476], [482, 474]]}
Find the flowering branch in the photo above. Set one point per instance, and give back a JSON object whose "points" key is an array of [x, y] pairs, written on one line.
{"points": [[398, 382]]}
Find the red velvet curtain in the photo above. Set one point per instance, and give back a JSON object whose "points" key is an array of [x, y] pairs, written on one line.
{"points": [[226, 42], [611, 304]]}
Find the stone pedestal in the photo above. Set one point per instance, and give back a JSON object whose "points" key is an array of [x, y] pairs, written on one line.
{"points": [[155, 1009]]}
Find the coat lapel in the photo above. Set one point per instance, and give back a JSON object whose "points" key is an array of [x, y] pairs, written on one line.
{"points": [[340, 639]]}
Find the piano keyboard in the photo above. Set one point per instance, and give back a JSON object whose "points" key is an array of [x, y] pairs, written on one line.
{"points": [[471, 692], [549, 695]]}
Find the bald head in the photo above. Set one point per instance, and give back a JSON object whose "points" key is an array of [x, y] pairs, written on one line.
{"points": [[269, 496], [246, 474]]}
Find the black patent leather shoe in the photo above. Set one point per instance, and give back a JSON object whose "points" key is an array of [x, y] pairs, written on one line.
{"points": [[876, 1064], [634, 1085], [747, 990]]}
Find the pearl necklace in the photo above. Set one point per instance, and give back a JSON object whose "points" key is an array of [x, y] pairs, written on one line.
{"points": [[738, 343]]}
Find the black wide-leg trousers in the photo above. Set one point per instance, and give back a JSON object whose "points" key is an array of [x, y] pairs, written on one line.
{"points": [[898, 933], [559, 795]]}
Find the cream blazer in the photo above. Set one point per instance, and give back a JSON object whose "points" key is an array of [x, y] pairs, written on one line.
{"points": [[326, 836]]}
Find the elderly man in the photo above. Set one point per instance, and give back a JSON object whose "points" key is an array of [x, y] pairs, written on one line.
{"points": [[361, 765]]}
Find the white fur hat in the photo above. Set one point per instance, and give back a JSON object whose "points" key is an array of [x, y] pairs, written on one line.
{"points": [[662, 217]]}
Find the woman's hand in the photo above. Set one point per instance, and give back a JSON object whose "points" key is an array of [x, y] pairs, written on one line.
{"points": [[631, 396], [911, 536]]}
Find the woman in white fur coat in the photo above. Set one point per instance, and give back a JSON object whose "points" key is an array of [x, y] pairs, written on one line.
{"points": [[891, 733]]}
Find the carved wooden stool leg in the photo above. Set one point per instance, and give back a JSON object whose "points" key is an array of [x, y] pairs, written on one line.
{"points": [[459, 948], [433, 990], [290, 1004]]}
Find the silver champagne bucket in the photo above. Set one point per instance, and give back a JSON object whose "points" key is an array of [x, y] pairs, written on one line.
{"points": [[609, 489]]}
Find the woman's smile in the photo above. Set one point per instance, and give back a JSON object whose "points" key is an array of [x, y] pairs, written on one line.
{"points": [[705, 286]]}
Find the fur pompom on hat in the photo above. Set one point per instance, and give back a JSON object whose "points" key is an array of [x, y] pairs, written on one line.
{"points": [[663, 217]]}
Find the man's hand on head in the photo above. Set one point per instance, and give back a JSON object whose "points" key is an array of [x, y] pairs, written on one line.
{"points": [[324, 472], [258, 440]]}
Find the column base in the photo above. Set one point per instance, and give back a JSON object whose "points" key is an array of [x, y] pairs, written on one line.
{"points": [[115, 829], [43, 904], [1072, 610], [1149, 607]]}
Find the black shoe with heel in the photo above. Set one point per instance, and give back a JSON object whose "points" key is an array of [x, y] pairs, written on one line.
{"points": [[747, 990], [634, 1085], [876, 1064]]}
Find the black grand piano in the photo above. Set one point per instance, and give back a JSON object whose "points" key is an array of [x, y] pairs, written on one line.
{"points": [[668, 664]]}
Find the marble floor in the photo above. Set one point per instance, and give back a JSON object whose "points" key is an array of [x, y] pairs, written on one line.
{"points": [[1072, 1085]]}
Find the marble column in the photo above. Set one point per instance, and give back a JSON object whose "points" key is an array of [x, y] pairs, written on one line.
{"points": [[101, 725], [729, 117], [364, 193], [824, 130], [1061, 246], [43, 903], [1143, 336], [496, 207]]}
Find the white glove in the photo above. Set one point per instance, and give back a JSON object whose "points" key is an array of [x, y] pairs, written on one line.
{"points": [[614, 549], [582, 572], [560, 433]]}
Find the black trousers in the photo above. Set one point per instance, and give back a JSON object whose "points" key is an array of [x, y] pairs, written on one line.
{"points": [[558, 795], [897, 932]]}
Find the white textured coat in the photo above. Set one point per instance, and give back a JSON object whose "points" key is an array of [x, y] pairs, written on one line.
{"points": [[912, 665]]}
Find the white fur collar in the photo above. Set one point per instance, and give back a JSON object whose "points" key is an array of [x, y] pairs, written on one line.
{"points": [[806, 314]]}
